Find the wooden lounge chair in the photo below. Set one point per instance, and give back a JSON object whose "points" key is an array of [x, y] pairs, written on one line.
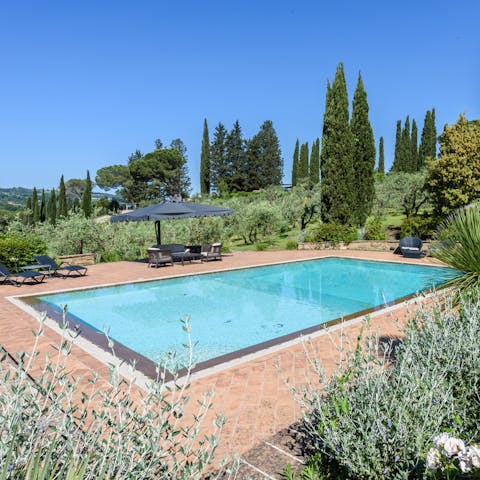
{"points": [[63, 269], [14, 278], [411, 247], [157, 257], [211, 252]]}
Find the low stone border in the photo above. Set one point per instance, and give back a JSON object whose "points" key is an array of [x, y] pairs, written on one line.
{"points": [[78, 259], [358, 245]]}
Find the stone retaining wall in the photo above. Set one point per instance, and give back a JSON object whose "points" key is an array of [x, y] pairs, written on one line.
{"points": [[79, 259], [358, 245]]}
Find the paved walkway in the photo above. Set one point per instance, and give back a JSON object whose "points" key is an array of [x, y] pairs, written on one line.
{"points": [[253, 396]]}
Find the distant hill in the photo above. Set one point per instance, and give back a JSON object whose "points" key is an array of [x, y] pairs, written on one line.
{"points": [[15, 198]]}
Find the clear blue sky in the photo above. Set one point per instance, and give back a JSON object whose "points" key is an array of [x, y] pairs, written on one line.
{"points": [[85, 83]]}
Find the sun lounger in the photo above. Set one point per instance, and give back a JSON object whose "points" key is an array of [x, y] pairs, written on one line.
{"points": [[19, 278], [63, 269], [157, 257]]}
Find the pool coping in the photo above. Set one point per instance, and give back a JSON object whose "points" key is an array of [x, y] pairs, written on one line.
{"points": [[145, 370]]}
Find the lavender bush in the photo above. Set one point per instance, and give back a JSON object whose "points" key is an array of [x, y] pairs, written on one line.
{"points": [[377, 416], [54, 428]]}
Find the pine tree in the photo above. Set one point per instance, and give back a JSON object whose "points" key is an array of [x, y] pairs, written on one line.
{"points": [[35, 207], [413, 167], [205, 162], [364, 154], [338, 197], [296, 154], [218, 159], [52, 207], [62, 200], [381, 157], [43, 207], [315, 162], [235, 152], [303, 172], [398, 143], [271, 161], [87, 197]]}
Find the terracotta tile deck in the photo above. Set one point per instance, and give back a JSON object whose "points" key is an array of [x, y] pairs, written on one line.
{"points": [[253, 395]]}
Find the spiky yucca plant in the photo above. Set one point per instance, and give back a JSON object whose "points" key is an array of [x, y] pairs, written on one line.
{"points": [[462, 248]]}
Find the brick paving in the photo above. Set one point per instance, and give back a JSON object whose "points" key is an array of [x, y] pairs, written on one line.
{"points": [[253, 396]]}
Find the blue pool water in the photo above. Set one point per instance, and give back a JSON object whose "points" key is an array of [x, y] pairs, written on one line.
{"points": [[236, 309]]}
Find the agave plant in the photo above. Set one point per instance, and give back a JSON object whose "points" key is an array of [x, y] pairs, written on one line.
{"points": [[459, 246]]}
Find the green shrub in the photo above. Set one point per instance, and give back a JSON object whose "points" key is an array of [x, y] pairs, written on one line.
{"points": [[226, 248], [334, 233], [460, 247], [376, 417], [16, 251], [419, 226], [54, 429], [291, 244], [261, 246], [374, 229]]}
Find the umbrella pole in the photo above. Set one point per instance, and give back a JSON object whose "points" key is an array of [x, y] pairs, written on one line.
{"points": [[158, 231]]}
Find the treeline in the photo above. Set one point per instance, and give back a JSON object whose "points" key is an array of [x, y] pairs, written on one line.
{"points": [[72, 196], [303, 167], [409, 155], [231, 163], [156, 175]]}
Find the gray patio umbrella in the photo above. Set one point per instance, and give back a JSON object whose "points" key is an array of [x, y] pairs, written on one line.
{"points": [[170, 211]]}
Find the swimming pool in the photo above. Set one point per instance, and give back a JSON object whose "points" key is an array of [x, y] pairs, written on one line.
{"points": [[238, 309]]}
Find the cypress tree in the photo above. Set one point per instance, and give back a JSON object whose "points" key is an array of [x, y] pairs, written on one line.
{"points": [[295, 162], [303, 163], [52, 208], [87, 197], [428, 142], [35, 208], [381, 157], [43, 207], [433, 136], [422, 154], [315, 162], [405, 147], [364, 154], [205, 162], [235, 152], [414, 148], [398, 142], [62, 200], [28, 218], [218, 159], [338, 197]]}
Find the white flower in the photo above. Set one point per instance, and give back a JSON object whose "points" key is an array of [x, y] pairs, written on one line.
{"points": [[475, 455], [465, 461], [439, 440], [453, 446], [433, 459], [469, 458]]}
